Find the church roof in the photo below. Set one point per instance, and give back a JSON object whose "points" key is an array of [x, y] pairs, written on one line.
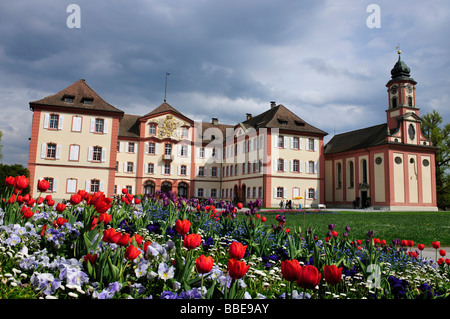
{"points": [[282, 118], [80, 95], [362, 138]]}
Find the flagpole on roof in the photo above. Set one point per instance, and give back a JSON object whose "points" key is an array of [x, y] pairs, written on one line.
{"points": [[165, 88]]}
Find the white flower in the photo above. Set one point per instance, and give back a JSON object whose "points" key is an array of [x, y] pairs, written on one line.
{"points": [[165, 272]]}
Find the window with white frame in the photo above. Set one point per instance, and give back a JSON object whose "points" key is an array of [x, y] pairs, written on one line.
{"points": [[166, 169], [130, 167], [99, 125], [296, 166], [130, 147], [311, 166], [280, 192], [213, 193], [280, 141], [168, 149], [201, 171], [150, 168], [183, 170], [311, 193], [51, 150], [152, 129], [295, 142], [199, 192], [54, 121], [183, 150], [151, 148], [280, 165], [96, 154], [311, 144], [201, 152], [95, 185], [214, 171], [184, 132]]}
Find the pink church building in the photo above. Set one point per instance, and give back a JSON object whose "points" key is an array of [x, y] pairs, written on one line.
{"points": [[386, 166]]}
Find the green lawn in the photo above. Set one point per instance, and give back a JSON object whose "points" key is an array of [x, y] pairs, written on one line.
{"points": [[421, 227]]}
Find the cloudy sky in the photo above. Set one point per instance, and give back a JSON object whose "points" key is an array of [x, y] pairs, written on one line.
{"points": [[226, 58]]}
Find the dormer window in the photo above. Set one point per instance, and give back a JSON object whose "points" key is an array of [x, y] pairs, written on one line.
{"points": [[68, 98], [87, 101]]}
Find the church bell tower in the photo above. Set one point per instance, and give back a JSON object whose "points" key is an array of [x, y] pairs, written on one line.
{"points": [[403, 115]]}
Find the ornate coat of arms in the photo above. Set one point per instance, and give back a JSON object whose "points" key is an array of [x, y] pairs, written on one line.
{"points": [[168, 127]]}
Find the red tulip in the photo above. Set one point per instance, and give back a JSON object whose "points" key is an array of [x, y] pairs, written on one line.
{"points": [[137, 201], [204, 264], [138, 238], [237, 269], [91, 258], [105, 218], [182, 226], [410, 243], [447, 261], [124, 190], [43, 185], [263, 219], [26, 212], [192, 241], [75, 199], [102, 206], [442, 252], [124, 239], [60, 207], [94, 223], [309, 277], [436, 244], [240, 205], [420, 246], [236, 250], [59, 222], [132, 252], [332, 274], [110, 235], [21, 182], [441, 261], [9, 181], [290, 269]]}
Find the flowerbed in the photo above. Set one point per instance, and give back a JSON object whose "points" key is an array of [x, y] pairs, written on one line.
{"points": [[167, 247]]}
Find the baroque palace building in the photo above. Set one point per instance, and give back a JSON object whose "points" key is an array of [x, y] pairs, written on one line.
{"points": [[80, 141]]}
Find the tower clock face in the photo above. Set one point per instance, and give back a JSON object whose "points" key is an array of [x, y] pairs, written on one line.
{"points": [[409, 88], [394, 90]]}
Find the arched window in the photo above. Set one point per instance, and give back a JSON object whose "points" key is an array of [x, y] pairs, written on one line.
{"points": [[410, 101], [394, 102], [364, 171], [339, 175], [351, 174]]}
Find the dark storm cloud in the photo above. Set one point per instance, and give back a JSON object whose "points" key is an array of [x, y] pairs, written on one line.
{"points": [[226, 58]]}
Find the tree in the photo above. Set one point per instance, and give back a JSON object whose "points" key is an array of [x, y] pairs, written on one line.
{"points": [[439, 134]]}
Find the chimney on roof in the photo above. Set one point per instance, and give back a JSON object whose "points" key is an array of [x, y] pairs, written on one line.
{"points": [[248, 116], [273, 104], [215, 121]]}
